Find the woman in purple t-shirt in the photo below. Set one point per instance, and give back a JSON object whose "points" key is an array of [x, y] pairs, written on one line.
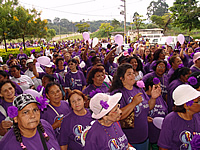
{"points": [[180, 126], [106, 133], [134, 99], [28, 132], [95, 80], [7, 94], [57, 108], [159, 110], [75, 123]]}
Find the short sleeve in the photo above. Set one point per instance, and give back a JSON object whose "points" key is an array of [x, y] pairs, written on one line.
{"points": [[165, 138]]}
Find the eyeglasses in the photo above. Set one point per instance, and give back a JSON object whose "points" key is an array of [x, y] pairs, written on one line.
{"points": [[160, 67], [70, 64]]}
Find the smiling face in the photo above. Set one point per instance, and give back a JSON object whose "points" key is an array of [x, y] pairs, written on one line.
{"points": [[129, 77], [7, 92], [176, 62], [160, 69], [14, 72], [134, 63], [28, 118]]}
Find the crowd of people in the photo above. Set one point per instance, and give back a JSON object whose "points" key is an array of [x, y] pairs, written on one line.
{"points": [[96, 98]]}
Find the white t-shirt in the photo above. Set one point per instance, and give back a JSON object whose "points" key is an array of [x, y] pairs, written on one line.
{"points": [[35, 80], [24, 82]]}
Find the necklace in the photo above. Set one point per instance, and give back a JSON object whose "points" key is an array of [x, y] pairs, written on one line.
{"points": [[109, 134]]}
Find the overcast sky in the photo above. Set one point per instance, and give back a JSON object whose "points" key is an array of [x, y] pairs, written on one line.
{"points": [[89, 10]]}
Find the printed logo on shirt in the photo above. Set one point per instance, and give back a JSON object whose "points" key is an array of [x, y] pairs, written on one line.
{"points": [[157, 110], [118, 144], [185, 137], [72, 82], [111, 70], [78, 130]]}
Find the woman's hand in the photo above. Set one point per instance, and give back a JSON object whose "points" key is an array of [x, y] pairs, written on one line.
{"points": [[57, 123], [137, 99], [149, 119], [156, 91], [6, 124]]}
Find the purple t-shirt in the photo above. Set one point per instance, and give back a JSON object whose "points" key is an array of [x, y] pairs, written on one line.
{"points": [[71, 129], [177, 132], [75, 80], [170, 89], [9, 141], [159, 110], [50, 115], [20, 56], [139, 133], [170, 72], [194, 69], [111, 68], [98, 139], [146, 68], [91, 87], [163, 81]]}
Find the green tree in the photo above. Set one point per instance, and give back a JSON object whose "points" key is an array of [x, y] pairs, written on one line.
{"points": [[137, 21], [51, 33], [82, 27], [162, 21], [106, 27], [158, 8], [115, 23], [186, 14], [6, 20]]}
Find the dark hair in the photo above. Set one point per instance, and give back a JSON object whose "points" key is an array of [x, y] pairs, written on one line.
{"points": [[180, 108], [18, 133], [121, 70], [50, 77], [92, 72], [122, 59], [197, 76], [58, 59], [50, 85], [7, 81], [188, 49], [93, 59], [178, 72], [149, 82], [109, 46], [139, 66], [172, 59], [156, 54], [22, 59], [15, 66], [76, 92], [157, 63], [4, 74], [72, 60]]}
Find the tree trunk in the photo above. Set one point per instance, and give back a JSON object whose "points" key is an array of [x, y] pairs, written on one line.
{"points": [[4, 38], [138, 32], [24, 42]]}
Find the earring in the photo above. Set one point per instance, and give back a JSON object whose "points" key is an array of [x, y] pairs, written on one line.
{"points": [[187, 110]]}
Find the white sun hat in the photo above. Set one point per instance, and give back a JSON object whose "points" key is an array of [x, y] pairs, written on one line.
{"points": [[184, 93], [101, 104]]}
